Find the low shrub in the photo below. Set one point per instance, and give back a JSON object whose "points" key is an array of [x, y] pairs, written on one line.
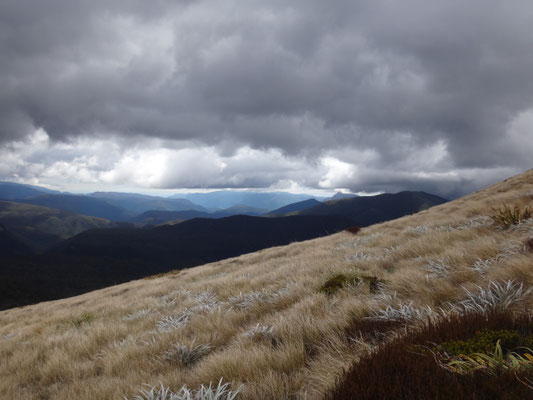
{"points": [[187, 356], [395, 371], [506, 216], [492, 363], [353, 229], [528, 243]]}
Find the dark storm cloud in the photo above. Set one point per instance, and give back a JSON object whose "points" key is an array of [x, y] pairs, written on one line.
{"points": [[307, 77]]}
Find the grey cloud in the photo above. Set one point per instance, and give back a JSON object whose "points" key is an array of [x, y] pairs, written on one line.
{"points": [[306, 77]]}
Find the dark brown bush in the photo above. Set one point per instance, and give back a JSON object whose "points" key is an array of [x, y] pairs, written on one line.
{"points": [[398, 370], [529, 244], [353, 229]]}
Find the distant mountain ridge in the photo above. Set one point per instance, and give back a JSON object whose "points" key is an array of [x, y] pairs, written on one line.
{"points": [[340, 195], [18, 191], [139, 203], [293, 208], [369, 210], [82, 205], [229, 198]]}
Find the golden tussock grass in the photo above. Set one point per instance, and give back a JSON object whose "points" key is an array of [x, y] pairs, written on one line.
{"points": [[261, 319]]}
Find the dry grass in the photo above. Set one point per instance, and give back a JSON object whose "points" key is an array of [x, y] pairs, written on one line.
{"points": [[259, 321]]}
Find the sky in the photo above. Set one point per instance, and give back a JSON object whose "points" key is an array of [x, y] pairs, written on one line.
{"points": [[302, 95]]}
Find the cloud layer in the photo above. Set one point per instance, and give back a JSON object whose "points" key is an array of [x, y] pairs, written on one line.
{"points": [[369, 96]]}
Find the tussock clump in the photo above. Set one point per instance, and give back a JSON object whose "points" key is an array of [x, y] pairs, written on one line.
{"points": [[187, 355], [84, 318], [173, 322], [339, 281], [142, 313], [507, 216], [482, 266], [405, 312], [247, 300], [361, 256], [497, 296], [220, 392], [262, 333], [439, 268]]}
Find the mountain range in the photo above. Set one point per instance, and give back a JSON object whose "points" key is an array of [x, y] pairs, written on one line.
{"points": [[61, 246]]}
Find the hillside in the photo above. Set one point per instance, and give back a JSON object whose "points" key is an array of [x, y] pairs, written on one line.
{"points": [[370, 210], [42, 227], [295, 321], [155, 217], [11, 245], [102, 257], [196, 241]]}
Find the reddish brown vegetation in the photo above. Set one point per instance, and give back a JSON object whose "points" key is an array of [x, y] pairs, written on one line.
{"points": [[529, 244], [353, 229], [402, 370]]}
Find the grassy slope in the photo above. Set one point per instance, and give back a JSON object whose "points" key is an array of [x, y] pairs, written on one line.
{"points": [[108, 343]]}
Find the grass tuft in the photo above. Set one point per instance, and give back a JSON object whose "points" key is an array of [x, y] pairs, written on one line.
{"points": [[84, 318], [220, 392], [187, 356], [506, 216], [339, 281], [497, 296]]}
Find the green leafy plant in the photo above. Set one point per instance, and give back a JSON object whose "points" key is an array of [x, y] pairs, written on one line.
{"points": [[485, 340], [491, 364], [507, 216]]}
